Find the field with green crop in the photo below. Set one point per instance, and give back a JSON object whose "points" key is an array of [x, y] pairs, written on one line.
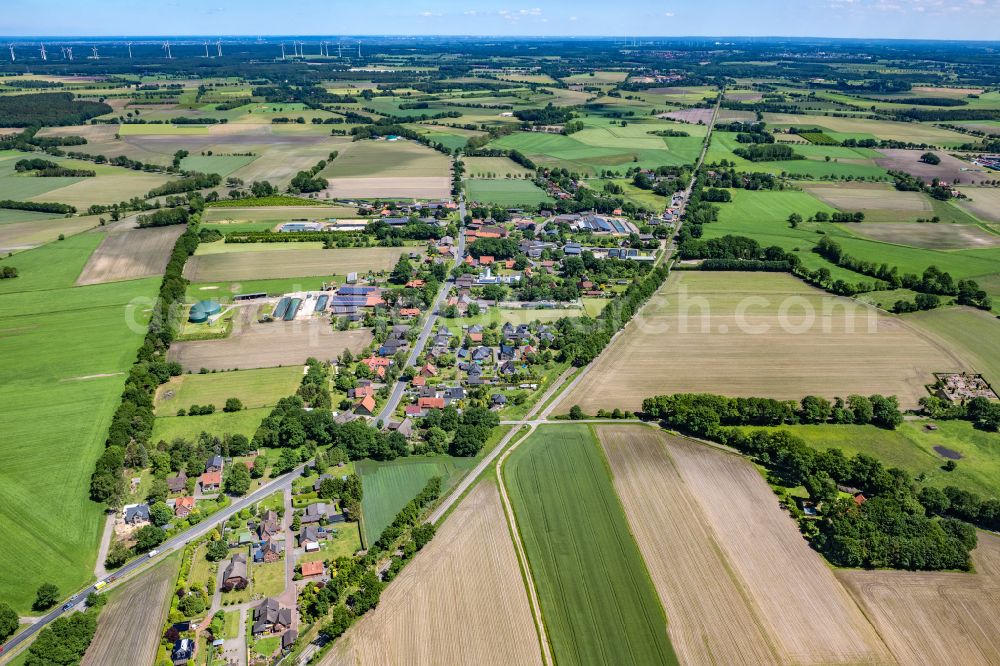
{"points": [[493, 167], [911, 448], [598, 601], [505, 192], [255, 388], [168, 428], [388, 486], [971, 333], [66, 350], [386, 158]]}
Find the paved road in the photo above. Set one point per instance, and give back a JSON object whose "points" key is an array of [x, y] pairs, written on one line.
{"points": [[136, 566], [470, 478], [425, 333]]}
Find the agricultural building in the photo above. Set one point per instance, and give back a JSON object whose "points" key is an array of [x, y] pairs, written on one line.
{"points": [[281, 308], [301, 226], [202, 310], [293, 309], [321, 303]]}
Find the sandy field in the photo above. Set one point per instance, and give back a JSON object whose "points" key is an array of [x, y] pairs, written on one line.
{"points": [[128, 628], [934, 617], [460, 601], [128, 254], [255, 345], [950, 170], [270, 264], [710, 616], [757, 334], [870, 196], [932, 236], [810, 616], [408, 187], [983, 202]]}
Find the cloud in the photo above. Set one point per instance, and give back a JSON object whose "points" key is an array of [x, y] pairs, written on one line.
{"points": [[668, 14]]}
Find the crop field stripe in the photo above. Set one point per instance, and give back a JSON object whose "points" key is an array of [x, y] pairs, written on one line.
{"points": [[598, 601]]}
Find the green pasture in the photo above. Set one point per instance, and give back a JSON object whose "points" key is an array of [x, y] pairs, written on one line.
{"points": [[169, 428], [505, 192], [911, 448], [388, 486], [66, 351], [598, 602], [255, 388]]}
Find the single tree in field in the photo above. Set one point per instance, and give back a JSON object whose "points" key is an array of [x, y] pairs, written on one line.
{"points": [[795, 220], [46, 596]]}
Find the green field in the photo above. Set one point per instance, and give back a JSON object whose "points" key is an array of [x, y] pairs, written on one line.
{"points": [[911, 448], [168, 428], [255, 388], [597, 599], [66, 351], [968, 332], [505, 192], [388, 486]]}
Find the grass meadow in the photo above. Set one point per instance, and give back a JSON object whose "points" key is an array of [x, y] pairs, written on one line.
{"points": [[597, 598], [168, 428], [505, 192], [388, 486], [255, 388], [66, 350], [911, 448]]}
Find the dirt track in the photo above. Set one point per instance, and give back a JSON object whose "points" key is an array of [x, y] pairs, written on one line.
{"points": [[255, 345], [460, 601]]}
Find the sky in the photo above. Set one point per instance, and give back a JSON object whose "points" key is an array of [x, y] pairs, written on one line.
{"points": [[920, 19]]}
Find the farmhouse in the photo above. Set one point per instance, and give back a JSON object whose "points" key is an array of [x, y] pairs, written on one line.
{"points": [[235, 573], [270, 617]]}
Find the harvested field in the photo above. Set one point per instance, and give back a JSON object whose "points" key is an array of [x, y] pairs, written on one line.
{"points": [[127, 254], [933, 617], [254, 345], [931, 236], [809, 615], [870, 196], [460, 601], [731, 116], [745, 96], [35, 231], [409, 187], [983, 202], [756, 334], [950, 170], [693, 116], [128, 628], [710, 617], [882, 129], [287, 264]]}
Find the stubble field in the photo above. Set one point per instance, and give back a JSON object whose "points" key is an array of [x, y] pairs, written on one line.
{"points": [[226, 266], [460, 601], [255, 345], [751, 334], [128, 627], [809, 615], [936, 617], [128, 254], [984, 202]]}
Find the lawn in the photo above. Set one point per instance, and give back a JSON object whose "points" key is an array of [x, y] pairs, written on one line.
{"points": [[911, 448], [66, 351], [255, 388], [169, 428], [231, 628], [269, 579], [597, 598], [388, 486], [346, 541]]}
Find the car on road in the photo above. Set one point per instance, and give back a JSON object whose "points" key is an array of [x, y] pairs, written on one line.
{"points": [[153, 553], [67, 605], [100, 585]]}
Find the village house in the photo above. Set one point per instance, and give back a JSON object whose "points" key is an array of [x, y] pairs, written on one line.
{"points": [[177, 483], [183, 506], [235, 573], [210, 481], [270, 618], [214, 464], [312, 568], [136, 514]]}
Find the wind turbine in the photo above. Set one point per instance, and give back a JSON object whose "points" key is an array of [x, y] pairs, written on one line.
{"points": [[359, 50], [166, 47], [340, 49], [129, 45], [93, 49], [282, 50], [62, 52], [44, 54], [69, 52], [206, 48], [218, 46], [12, 58]]}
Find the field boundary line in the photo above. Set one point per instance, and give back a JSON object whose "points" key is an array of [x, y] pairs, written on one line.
{"points": [[522, 558]]}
